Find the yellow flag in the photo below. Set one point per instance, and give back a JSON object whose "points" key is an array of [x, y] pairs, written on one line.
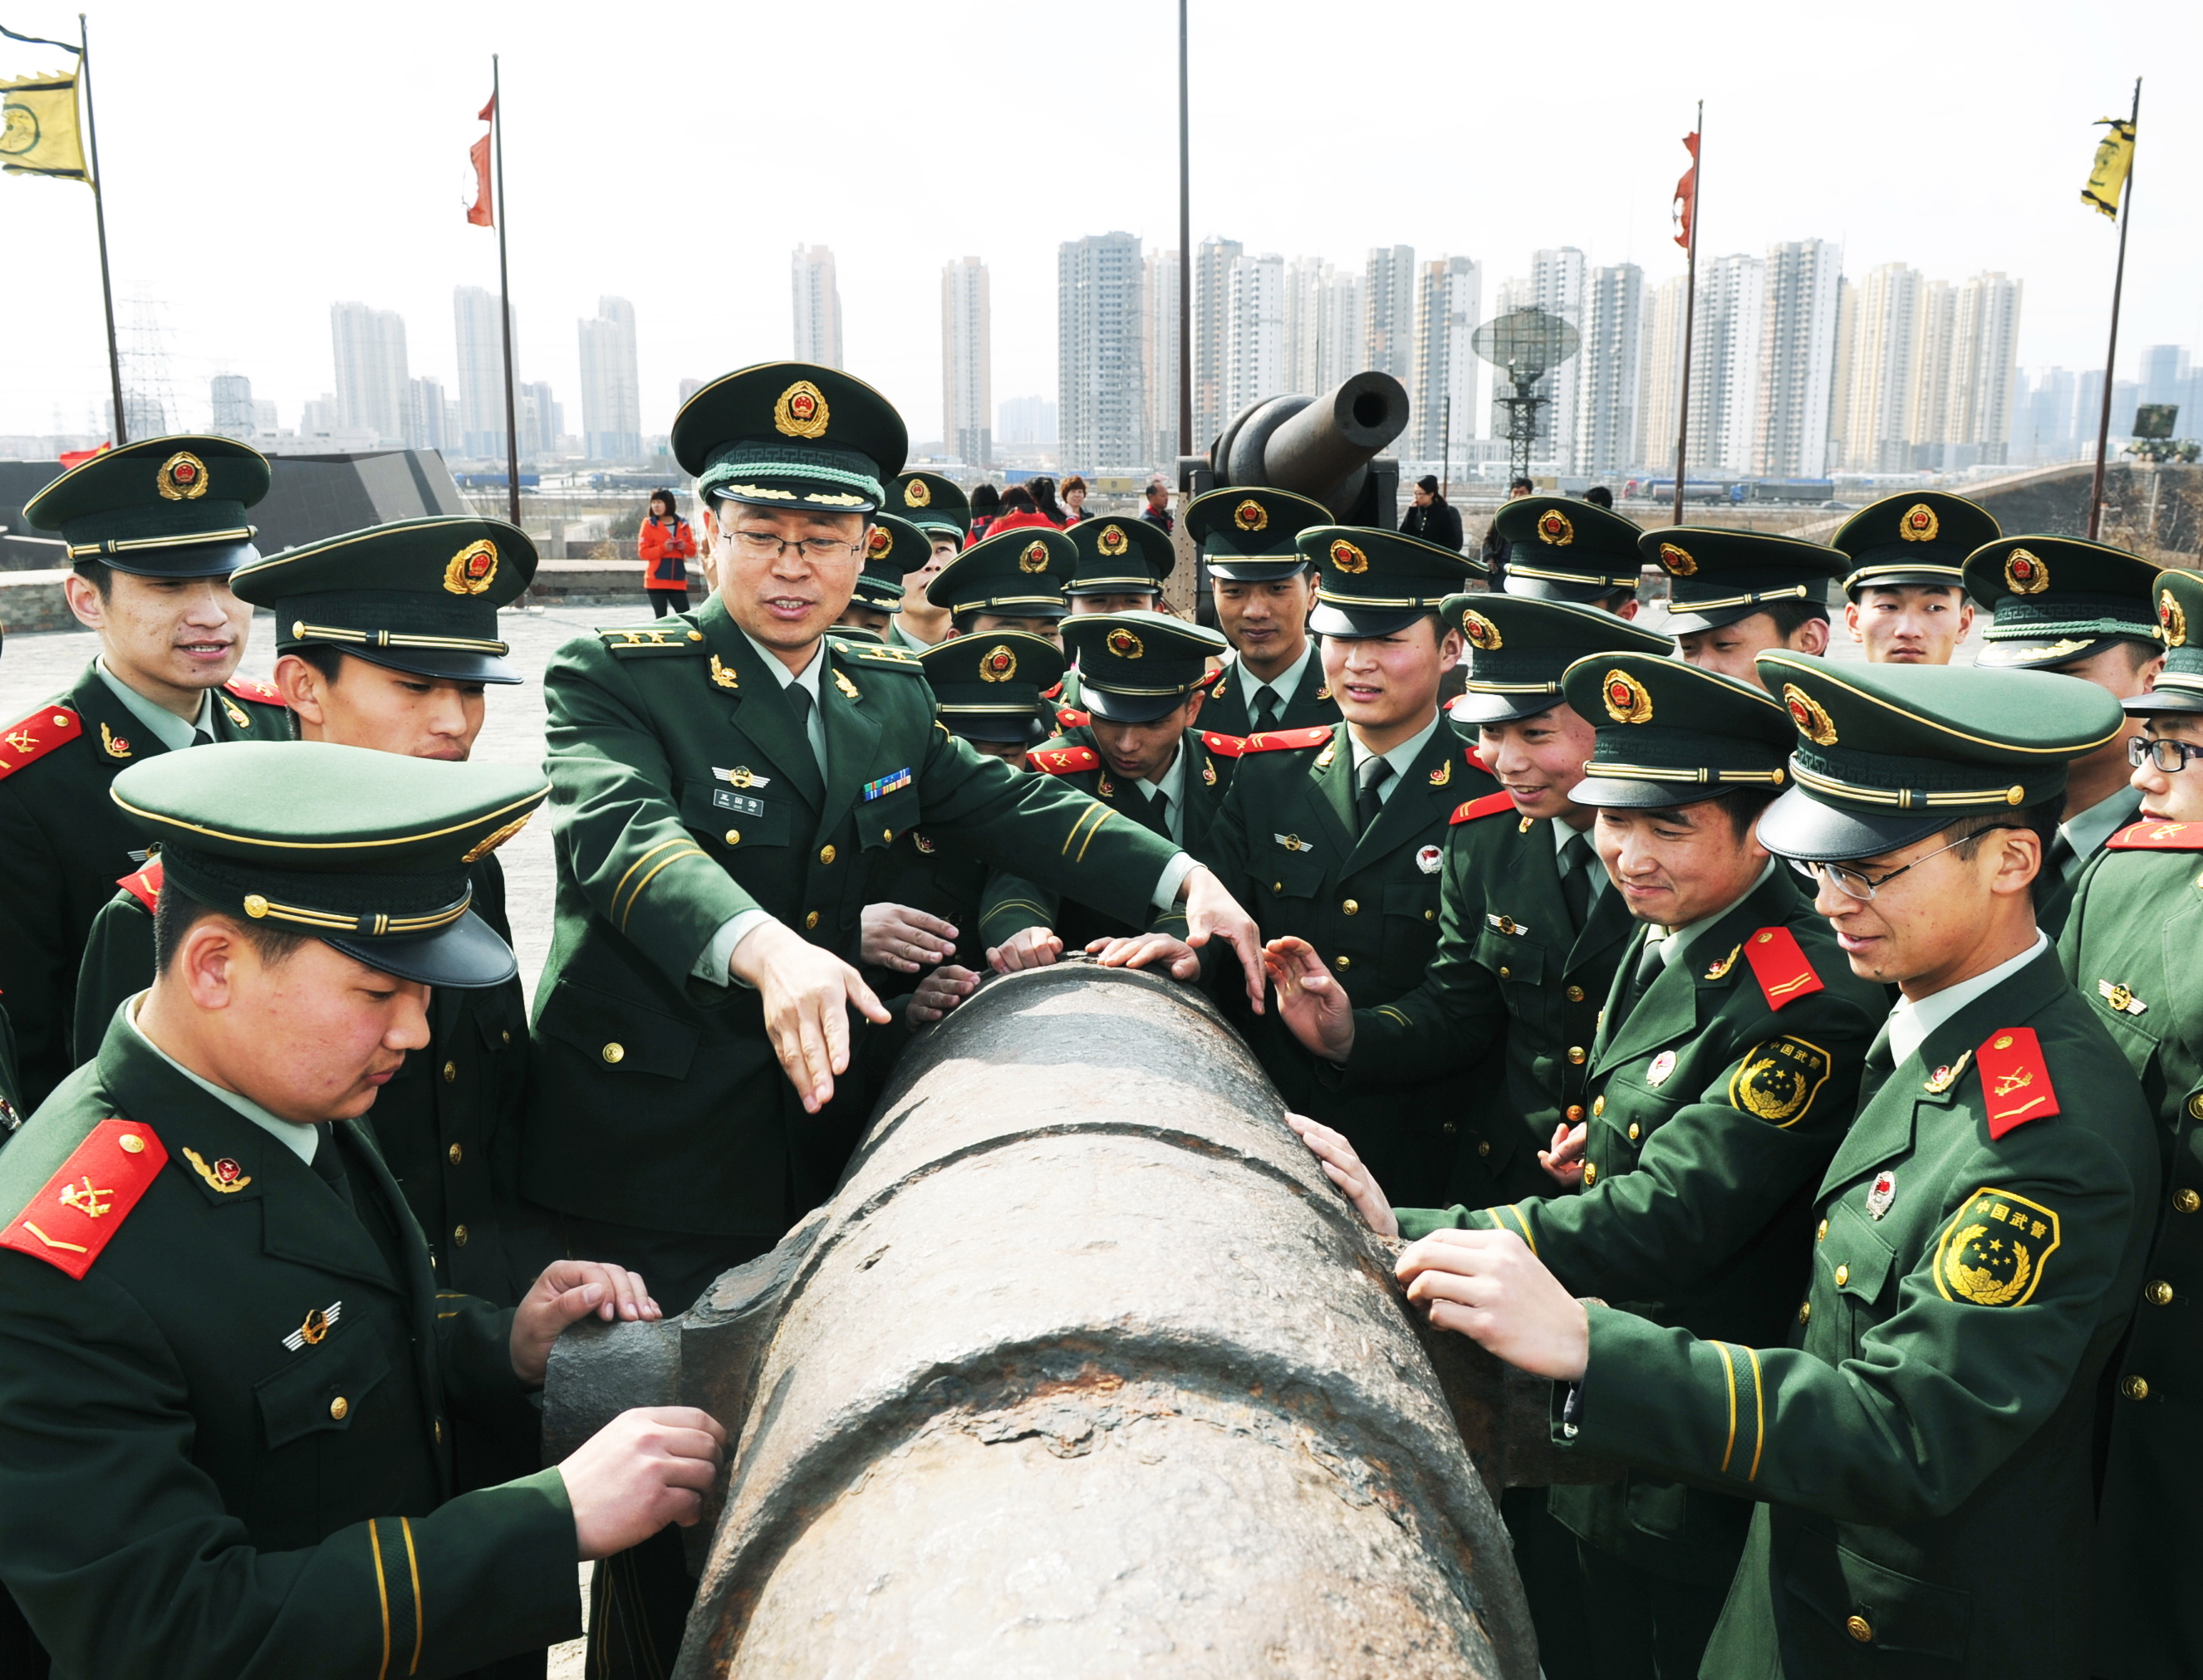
{"points": [[38, 128], [2114, 157]]}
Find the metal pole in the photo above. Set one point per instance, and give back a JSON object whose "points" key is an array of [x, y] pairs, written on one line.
{"points": [[1690, 310], [99, 217], [1445, 466], [2112, 355], [505, 299], [1184, 254]]}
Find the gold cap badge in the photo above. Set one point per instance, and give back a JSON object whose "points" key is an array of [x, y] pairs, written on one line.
{"points": [[1113, 542], [1811, 716], [1553, 526], [2173, 617], [1483, 635], [1348, 558], [916, 495], [1919, 524], [880, 544], [999, 665], [2025, 575], [472, 570], [801, 411], [182, 478], [1033, 558], [1123, 644], [1678, 561], [1626, 702], [1251, 516]]}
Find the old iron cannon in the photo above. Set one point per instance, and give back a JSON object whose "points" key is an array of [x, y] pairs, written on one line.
{"points": [[1085, 1369], [1325, 448]]}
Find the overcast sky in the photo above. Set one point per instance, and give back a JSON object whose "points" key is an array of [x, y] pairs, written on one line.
{"points": [[262, 162]]}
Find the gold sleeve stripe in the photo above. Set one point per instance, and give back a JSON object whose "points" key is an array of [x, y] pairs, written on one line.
{"points": [[1759, 1422], [636, 897], [1388, 1009], [1516, 1208], [1096, 815], [1728, 1371], [678, 839], [1041, 910], [1106, 815], [382, 1588], [413, 1563]]}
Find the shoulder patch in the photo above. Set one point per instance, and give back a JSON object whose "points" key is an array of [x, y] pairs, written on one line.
{"points": [[1779, 966], [1993, 1250], [1063, 760], [1272, 740], [84, 1204], [1053, 691], [1476, 760], [643, 640], [1490, 805], [2152, 836], [145, 885], [30, 739], [876, 654], [1224, 746], [249, 688], [2016, 1085], [1070, 717], [1777, 1081]]}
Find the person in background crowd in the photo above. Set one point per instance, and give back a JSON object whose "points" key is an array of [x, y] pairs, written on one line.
{"points": [[1432, 518], [1600, 496], [1264, 588], [1157, 511], [986, 508], [938, 507], [1042, 492], [1074, 499], [1495, 545], [1019, 513], [666, 543], [1905, 595], [1733, 595]]}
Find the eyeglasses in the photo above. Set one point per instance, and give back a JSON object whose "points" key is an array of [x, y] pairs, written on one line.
{"points": [[2158, 750], [1860, 884], [764, 545]]}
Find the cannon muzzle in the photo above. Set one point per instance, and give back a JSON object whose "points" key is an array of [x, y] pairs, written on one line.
{"points": [[1320, 447]]}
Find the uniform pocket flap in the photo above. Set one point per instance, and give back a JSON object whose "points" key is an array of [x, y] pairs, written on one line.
{"points": [[736, 817], [1857, 1260], [1294, 873], [320, 1386], [501, 1020], [879, 820], [1414, 899], [1513, 956], [1877, 1607], [618, 1032]]}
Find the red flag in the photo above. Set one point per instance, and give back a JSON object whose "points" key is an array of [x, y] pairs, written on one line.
{"points": [[76, 457], [1686, 206], [487, 111], [480, 213]]}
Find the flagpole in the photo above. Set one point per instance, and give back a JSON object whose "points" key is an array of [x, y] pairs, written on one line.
{"points": [[2112, 355], [99, 218], [505, 299], [1690, 310]]}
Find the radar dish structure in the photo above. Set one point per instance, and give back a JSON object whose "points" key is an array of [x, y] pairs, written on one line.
{"points": [[1528, 344]]}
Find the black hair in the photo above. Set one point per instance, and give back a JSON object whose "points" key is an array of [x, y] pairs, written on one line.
{"points": [[986, 499], [1744, 806], [1791, 616], [1599, 496], [99, 574], [1428, 482], [1043, 498], [175, 913], [2040, 819], [329, 661], [672, 505], [1019, 500], [1521, 483]]}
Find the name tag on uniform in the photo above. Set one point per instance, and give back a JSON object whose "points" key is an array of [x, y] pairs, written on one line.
{"points": [[890, 783], [743, 802]]}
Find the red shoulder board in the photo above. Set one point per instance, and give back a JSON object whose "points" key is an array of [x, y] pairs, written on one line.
{"points": [[33, 737], [1072, 718], [2015, 1082], [1781, 967], [245, 688], [69, 1221], [1490, 805], [1053, 693], [1476, 760], [1063, 760], [2153, 836], [1270, 740], [1228, 746], [145, 885]]}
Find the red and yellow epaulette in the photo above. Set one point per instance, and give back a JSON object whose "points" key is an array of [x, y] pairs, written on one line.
{"points": [[1070, 717], [145, 885], [247, 688], [1055, 692], [1490, 805], [2154, 836], [1228, 746], [1063, 760], [1780, 967], [1476, 762], [1271, 741], [2015, 1080], [27, 741], [84, 1204]]}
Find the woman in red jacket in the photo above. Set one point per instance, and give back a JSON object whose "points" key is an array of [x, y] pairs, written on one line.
{"points": [[666, 543]]}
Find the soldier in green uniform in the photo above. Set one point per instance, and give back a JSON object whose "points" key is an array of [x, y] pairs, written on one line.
{"points": [[1922, 1448], [228, 1378], [1011, 582], [1906, 591], [2128, 950], [154, 530], [894, 550], [1264, 589], [1733, 595], [938, 507], [12, 1108], [2080, 609], [1559, 549], [1121, 567]]}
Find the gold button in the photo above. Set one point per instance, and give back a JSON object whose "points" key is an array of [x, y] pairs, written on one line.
{"points": [[1821, 1235], [1344, 963], [1633, 1131], [1860, 1629], [504, 1038], [810, 920], [2134, 1387], [458, 1236], [1599, 1105], [695, 635], [825, 854], [1450, 1128], [1506, 973], [440, 1432], [733, 837], [2186, 1201], [1806, 1313], [614, 1053], [451, 1071], [1576, 1052], [2158, 1293], [1591, 1174], [1277, 887], [1484, 1146], [255, 905], [1351, 908], [1843, 1276], [2195, 1106], [455, 1154], [1574, 995], [339, 1407], [1576, 1112], [1430, 915], [886, 836], [132, 1144]]}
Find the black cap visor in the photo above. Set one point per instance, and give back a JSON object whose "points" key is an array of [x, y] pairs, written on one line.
{"points": [[468, 954], [2167, 697], [1575, 593], [1115, 706], [1360, 623], [1016, 728], [1690, 621], [1474, 708], [440, 665], [1273, 568], [217, 559], [1623, 794], [1800, 826]]}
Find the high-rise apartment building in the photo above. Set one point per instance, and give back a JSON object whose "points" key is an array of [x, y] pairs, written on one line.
{"points": [[1388, 304], [967, 366], [1099, 329], [426, 408], [1796, 359], [1304, 279], [1725, 362], [1660, 384], [481, 372], [1928, 424], [1840, 391], [233, 415], [1555, 286], [370, 364], [1884, 364], [817, 306], [1442, 383], [612, 388], [1254, 309], [1212, 338], [1027, 422], [542, 421], [1340, 329], [1608, 371], [1159, 348], [1983, 371]]}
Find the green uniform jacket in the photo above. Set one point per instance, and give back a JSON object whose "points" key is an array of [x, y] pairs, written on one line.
{"points": [[2057, 903], [1509, 975], [942, 881], [13, 1110], [1285, 845], [1924, 1444], [1009, 903], [448, 1124], [655, 1099], [190, 1486], [1310, 703], [2130, 949], [64, 843]]}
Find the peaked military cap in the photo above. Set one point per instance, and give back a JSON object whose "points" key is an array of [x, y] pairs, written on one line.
{"points": [[791, 434], [1886, 755], [1518, 646], [1670, 734], [893, 548], [161, 507], [933, 504], [1917, 537], [2060, 598], [2180, 619], [1716, 577], [1133, 666], [1371, 583], [1018, 574], [1564, 550], [987, 687], [366, 851], [1119, 556], [1246, 533], [418, 595]]}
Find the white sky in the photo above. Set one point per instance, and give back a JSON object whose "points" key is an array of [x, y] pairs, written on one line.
{"points": [[264, 161]]}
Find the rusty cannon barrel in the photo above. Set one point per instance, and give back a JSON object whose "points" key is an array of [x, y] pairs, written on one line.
{"points": [[1320, 447], [1086, 1370]]}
